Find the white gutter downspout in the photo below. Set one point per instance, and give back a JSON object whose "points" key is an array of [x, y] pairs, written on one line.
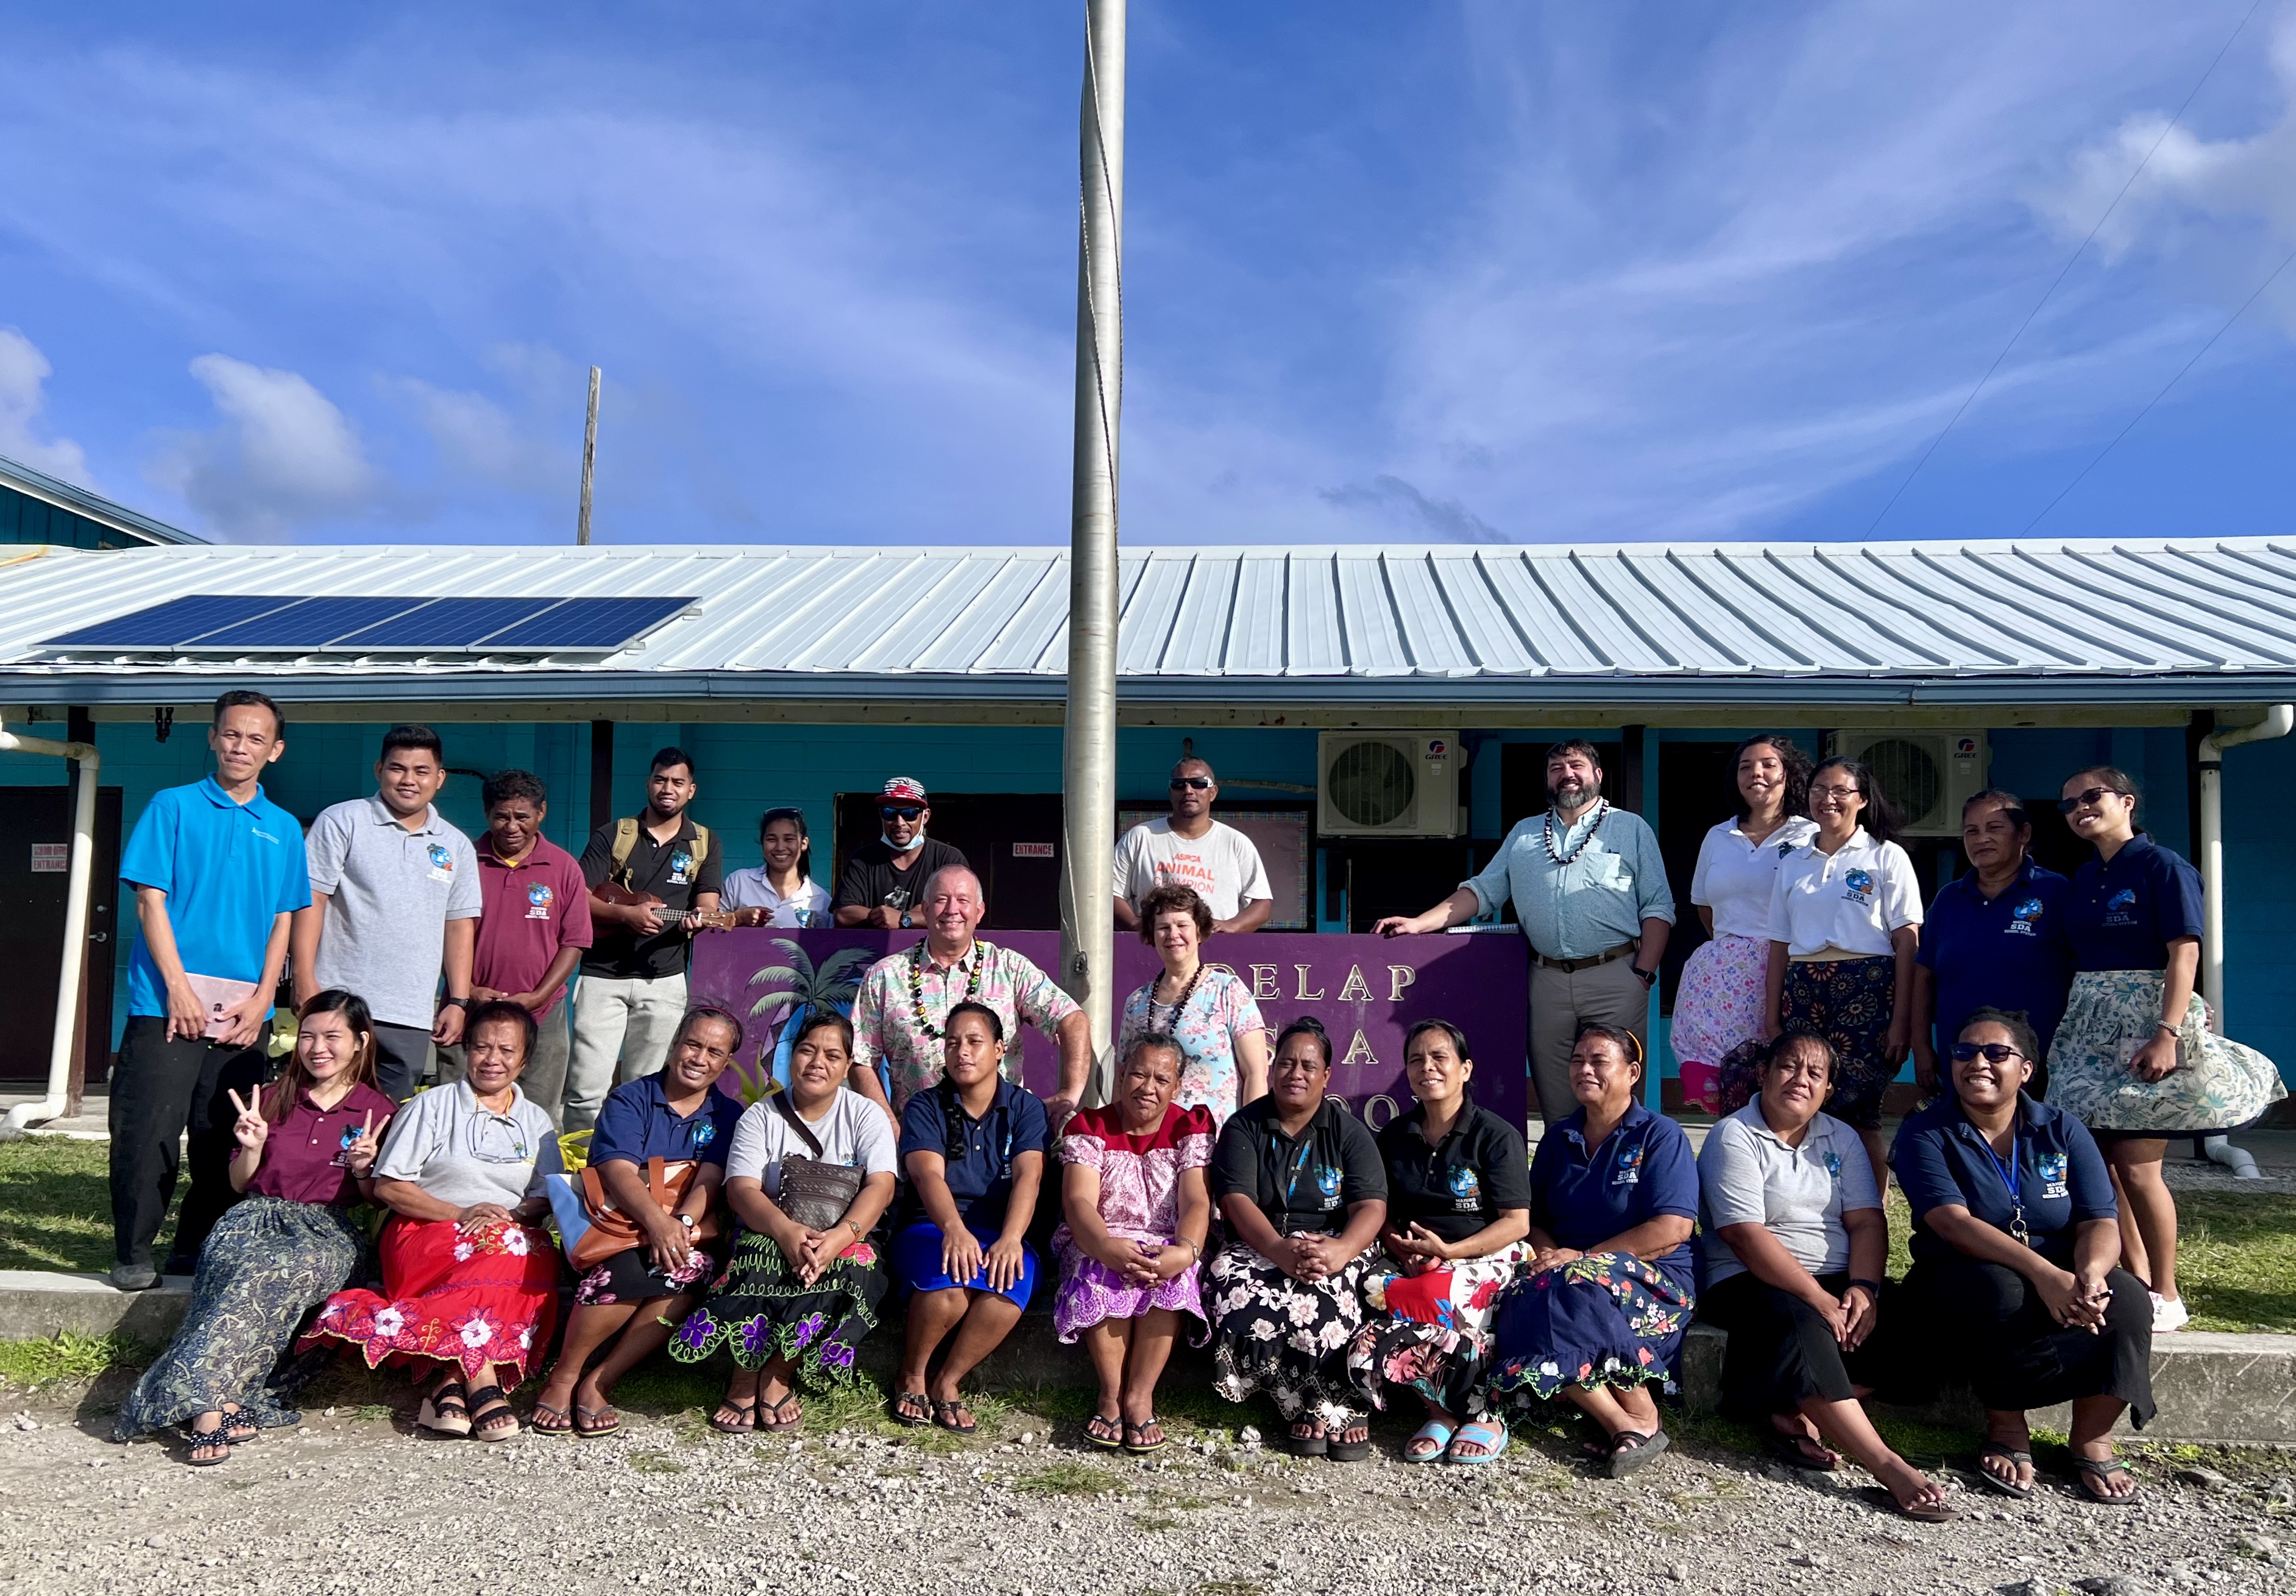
{"points": [[76, 901], [2277, 722]]}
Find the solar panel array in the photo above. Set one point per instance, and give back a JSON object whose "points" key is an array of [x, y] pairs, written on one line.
{"points": [[239, 624]]}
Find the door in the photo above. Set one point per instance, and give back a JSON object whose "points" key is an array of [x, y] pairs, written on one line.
{"points": [[36, 833], [1012, 841]]}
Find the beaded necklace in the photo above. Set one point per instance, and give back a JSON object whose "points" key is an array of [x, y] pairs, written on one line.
{"points": [[1601, 814], [1186, 993], [939, 1033]]}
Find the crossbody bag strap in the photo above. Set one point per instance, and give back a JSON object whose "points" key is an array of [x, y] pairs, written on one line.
{"points": [[782, 1106]]}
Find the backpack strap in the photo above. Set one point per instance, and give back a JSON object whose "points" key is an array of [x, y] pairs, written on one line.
{"points": [[626, 843]]}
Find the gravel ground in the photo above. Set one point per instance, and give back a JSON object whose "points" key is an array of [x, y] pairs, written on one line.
{"points": [[356, 1500]]}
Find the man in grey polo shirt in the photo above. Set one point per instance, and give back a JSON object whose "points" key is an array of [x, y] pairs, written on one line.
{"points": [[394, 901]]}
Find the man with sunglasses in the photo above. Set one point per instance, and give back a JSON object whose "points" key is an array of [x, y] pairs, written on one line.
{"points": [[1190, 848], [883, 882]]}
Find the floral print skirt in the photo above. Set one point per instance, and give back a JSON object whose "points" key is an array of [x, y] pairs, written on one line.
{"points": [[1848, 1003], [491, 1297], [2217, 1085], [1286, 1337], [1091, 1291], [1717, 1010], [630, 1277], [1607, 1319], [1431, 1333], [760, 1309], [268, 1263]]}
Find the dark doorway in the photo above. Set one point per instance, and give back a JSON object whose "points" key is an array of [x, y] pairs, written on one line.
{"points": [[1374, 878], [1012, 840], [1694, 788], [35, 871]]}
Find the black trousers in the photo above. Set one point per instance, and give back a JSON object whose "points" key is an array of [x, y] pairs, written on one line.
{"points": [[160, 1089], [1782, 1352], [1985, 1322], [402, 1058]]}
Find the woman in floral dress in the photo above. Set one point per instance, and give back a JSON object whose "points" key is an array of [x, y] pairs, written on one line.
{"points": [[1458, 1207], [803, 1286], [470, 1277], [1223, 1039]]}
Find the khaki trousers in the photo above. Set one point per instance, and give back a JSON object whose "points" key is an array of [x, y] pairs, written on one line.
{"points": [[1561, 1001]]}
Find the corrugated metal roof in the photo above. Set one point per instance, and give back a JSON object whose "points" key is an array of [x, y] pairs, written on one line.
{"points": [[2144, 619]]}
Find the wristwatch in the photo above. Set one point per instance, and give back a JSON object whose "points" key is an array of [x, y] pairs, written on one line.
{"points": [[686, 1220], [905, 919], [1649, 978]]}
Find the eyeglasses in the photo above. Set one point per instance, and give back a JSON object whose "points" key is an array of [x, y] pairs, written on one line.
{"points": [[905, 811], [1839, 794], [1198, 782], [1996, 1053], [2084, 798]]}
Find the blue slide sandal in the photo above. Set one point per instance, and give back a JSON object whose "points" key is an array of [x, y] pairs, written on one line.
{"points": [[1483, 1432], [1434, 1430]]}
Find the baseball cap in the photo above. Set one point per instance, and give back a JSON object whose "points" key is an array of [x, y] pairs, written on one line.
{"points": [[908, 789]]}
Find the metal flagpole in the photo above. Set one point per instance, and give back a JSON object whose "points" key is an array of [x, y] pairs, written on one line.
{"points": [[589, 461], [1088, 776]]}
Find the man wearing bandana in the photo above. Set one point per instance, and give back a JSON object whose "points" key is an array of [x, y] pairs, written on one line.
{"points": [[885, 881]]}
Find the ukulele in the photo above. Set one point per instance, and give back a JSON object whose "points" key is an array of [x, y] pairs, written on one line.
{"points": [[689, 920]]}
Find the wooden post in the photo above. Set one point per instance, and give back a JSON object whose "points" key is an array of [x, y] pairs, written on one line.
{"points": [[589, 461]]}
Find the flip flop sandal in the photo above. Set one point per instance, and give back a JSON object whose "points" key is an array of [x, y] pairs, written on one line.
{"points": [[1631, 1450], [444, 1412], [1105, 1432], [211, 1442], [1306, 1446], [1347, 1451], [490, 1427], [1483, 1432], [1940, 1514], [1788, 1450], [1434, 1430], [594, 1431], [565, 1427], [2103, 1468], [777, 1422], [745, 1417], [913, 1409], [239, 1429], [1143, 1447], [1994, 1482], [946, 1414]]}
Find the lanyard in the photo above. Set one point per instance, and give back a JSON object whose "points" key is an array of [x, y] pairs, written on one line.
{"points": [[1307, 1151], [2012, 1178]]}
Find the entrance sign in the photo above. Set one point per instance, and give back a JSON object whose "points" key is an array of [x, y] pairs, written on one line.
{"points": [[1366, 990]]}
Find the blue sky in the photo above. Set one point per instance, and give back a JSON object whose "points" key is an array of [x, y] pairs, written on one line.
{"points": [[1393, 273]]}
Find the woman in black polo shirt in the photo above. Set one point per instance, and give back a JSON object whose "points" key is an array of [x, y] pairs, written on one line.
{"points": [[1298, 1179], [2015, 1239], [1458, 1207]]}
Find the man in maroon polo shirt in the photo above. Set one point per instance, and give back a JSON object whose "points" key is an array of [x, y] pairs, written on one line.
{"points": [[534, 924]]}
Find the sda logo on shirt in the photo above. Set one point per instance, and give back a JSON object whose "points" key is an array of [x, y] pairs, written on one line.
{"points": [[442, 863], [681, 868], [2024, 917], [1860, 885], [1466, 1188], [1630, 1168], [539, 899], [2051, 1168], [705, 1132], [2121, 908], [1833, 1162], [1327, 1183]]}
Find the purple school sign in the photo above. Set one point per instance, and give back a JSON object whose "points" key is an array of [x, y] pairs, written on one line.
{"points": [[1366, 990]]}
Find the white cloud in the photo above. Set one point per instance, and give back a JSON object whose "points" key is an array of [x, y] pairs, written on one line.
{"points": [[24, 371], [284, 457], [479, 441]]}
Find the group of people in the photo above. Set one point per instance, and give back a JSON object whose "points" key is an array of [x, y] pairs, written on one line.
{"points": [[1221, 1192]]}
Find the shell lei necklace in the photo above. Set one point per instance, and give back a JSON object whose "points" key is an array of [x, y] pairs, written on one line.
{"points": [[939, 1033], [1601, 814], [1186, 993]]}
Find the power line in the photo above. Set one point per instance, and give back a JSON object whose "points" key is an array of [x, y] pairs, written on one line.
{"points": [[2286, 261], [2058, 281]]}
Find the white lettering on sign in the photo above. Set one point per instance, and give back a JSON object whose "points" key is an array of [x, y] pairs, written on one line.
{"points": [[1303, 995], [1032, 850], [1263, 982], [1354, 986], [51, 858], [1399, 976], [1359, 1054]]}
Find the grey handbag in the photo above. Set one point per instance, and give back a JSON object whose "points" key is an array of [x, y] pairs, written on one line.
{"points": [[815, 1191]]}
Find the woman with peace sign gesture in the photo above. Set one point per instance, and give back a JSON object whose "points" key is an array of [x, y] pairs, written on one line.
{"points": [[306, 1152]]}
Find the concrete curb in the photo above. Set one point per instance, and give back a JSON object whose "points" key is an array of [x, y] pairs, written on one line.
{"points": [[2212, 1386]]}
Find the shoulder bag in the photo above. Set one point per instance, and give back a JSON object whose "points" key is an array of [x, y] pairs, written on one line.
{"points": [[815, 1191], [611, 1231]]}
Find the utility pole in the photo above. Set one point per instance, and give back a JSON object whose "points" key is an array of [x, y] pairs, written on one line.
{"points": [[1088, 775], [589, 461]]}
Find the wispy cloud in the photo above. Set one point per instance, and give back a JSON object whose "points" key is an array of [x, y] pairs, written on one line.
{"points": [[282, 458], [24, 437]]}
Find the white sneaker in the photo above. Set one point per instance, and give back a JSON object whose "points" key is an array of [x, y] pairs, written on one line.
{"points": [[2168, 1314]]}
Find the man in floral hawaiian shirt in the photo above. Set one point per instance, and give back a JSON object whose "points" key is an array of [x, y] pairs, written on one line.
{"points": [[902, 1013]]}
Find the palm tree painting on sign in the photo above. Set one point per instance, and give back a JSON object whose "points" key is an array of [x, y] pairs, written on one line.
{"points": [[792, 990]]}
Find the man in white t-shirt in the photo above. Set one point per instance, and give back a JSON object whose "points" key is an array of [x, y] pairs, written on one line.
{"points": [[1190, 848]]}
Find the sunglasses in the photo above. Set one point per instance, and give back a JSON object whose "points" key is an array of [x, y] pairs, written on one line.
{"points": [[1198, 782], [2084, 798], [1996, 1053], [904, 813]]}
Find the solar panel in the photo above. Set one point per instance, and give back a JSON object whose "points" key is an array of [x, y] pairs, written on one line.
{"points": [[174, 623], [603, 624], [443, 623], [307, 623]]}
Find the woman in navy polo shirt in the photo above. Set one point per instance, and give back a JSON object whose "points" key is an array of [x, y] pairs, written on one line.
{"points": [[2133, 1058], [1608, 1291], [2013, 1279], [1993, 937], [973, 1147], [641, 1294], [1458, 1207]]}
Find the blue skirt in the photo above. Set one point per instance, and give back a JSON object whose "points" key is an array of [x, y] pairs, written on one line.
{"points": [[917, 1264], [1608, 1319]]}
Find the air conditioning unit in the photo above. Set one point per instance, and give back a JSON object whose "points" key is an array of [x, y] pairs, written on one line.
{"points": [[1928, 776], [1387, 783]]}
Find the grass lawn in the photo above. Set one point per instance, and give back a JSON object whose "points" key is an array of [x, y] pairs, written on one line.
{"points": [[2237, 1265]]}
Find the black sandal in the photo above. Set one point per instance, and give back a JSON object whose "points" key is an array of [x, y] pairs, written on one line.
{"points": [[1788, 1450], [2098, 1471], [1992, 1481], [1143, 1444], [946, 1413], [745, 1417], [1630, 1450], [1342, 1451], [913, 1409], [776, 1422], [207, 1447], [488, 1407], [443, 1411], [594, 1430], [1103, 1431], [1313, 1445]]}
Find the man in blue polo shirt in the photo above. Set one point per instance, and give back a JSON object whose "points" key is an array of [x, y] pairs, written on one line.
{"points": [[1995, 938], [217, 870]]}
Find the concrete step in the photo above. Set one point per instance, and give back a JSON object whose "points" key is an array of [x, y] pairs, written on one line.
{"points": [[2236, 1389]]}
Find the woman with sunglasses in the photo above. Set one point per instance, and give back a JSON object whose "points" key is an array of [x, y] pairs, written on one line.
{"points": [[782, 891], [1845, 922], [470, 1277], [2133, 1058], [2014, 1284]]}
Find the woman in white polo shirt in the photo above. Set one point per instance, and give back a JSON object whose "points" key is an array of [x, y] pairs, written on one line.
{"points": [[1845, 917], [1726, 983]]}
